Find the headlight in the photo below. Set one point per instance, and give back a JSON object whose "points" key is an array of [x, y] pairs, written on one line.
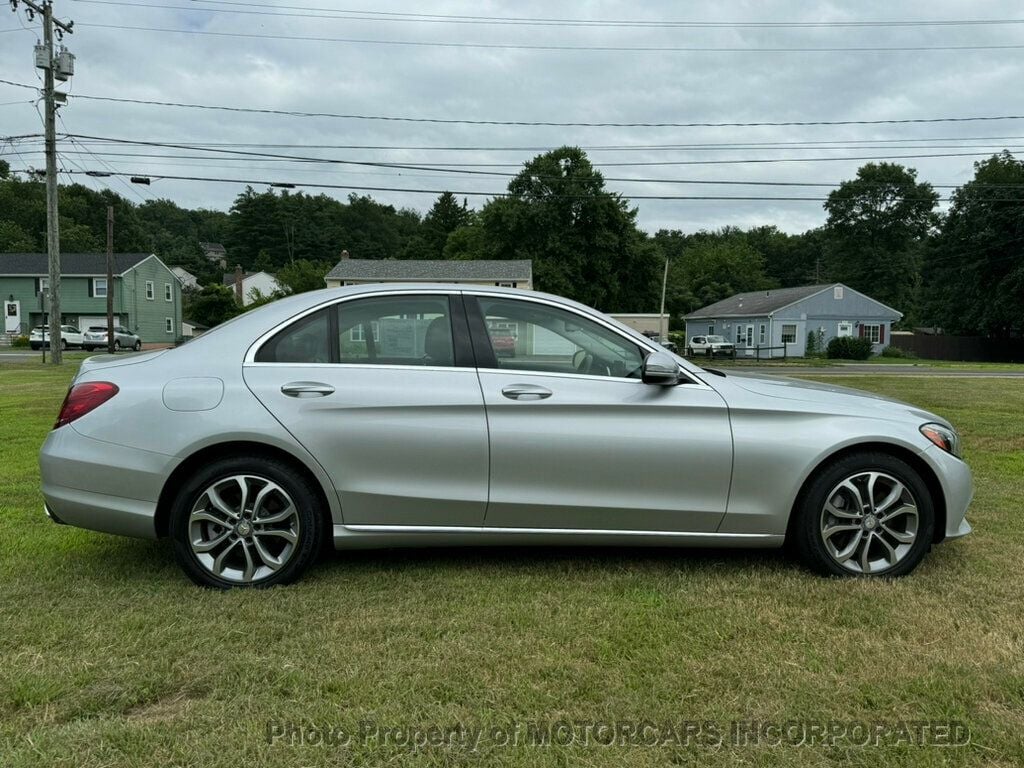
{"points": [[947, 439]]}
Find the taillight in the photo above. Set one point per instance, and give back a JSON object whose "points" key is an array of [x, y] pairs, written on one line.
{"points": [[82, 398]]}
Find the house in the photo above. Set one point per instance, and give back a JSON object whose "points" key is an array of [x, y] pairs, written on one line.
{"points": [[647, 323], [785, 316], [248, 286], [147, 295], [215, 253], [187, 279], [190, 328], [511, 273]]}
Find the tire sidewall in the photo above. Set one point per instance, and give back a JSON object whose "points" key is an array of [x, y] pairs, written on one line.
{"points": [[808, 541], [304, 497]]}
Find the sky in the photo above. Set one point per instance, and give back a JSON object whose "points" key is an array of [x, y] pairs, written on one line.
{"points": [[389, 60]]}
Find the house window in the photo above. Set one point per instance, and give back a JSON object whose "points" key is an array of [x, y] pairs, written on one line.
{"points": [[168, 294], [789, 334], [711, 330], [762, 333], [99, 287], [505, 284], [872, 333], [357, 333], [149, 290], [837, 292], [169, 324], [739, 334], [43, 285]]}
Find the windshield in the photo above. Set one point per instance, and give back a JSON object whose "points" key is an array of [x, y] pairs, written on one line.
{"points": [[716, 339]]}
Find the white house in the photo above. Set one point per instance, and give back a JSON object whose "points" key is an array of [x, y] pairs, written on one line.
{"points": [[252, 286], [186, 278]]}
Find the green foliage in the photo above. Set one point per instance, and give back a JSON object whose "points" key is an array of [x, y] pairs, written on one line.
{"points": [[444, 217], [20, 342], [583, 240], [849, 348], [210, 306], [877, 227], [813, 347], [303, 275], [892, 351], [974, 274]]}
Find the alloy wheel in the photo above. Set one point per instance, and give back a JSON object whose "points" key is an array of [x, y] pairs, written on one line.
{"points": [[869, 522], [243, 528]]}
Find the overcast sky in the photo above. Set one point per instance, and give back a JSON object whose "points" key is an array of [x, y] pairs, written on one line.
{"points": [[465, 83]]}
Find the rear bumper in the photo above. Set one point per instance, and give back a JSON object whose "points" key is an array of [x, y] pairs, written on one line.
{"points": [[101, 486]]}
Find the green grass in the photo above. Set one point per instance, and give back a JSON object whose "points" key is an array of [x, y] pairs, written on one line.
{"points": [[109, 657], [822, 362]]}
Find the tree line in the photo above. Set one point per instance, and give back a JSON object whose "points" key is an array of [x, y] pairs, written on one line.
{"points": [[960, 270]]}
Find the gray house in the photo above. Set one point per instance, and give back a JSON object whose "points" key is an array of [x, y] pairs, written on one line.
{"points": [[514, 273], [785, 316]]}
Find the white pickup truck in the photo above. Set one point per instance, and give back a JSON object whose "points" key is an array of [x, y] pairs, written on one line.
{"points": [[709, 346]]}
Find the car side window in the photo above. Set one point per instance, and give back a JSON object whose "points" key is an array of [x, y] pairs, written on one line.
{"points": [[307, 340], [396, 330], [527, 336]]}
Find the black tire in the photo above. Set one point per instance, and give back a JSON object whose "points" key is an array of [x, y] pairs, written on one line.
{"points": [[88, 349], [63, 343], [36, 347], [117, 345], [805, 534], [138, 346], [310, 512]]}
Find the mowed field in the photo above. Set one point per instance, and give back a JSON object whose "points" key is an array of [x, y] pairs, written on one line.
{"points": [[109, 657]]}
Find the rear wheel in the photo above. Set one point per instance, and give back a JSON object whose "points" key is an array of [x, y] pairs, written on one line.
{"points": [[63, 343], [246, 522], [867, 514], [117, 345]]}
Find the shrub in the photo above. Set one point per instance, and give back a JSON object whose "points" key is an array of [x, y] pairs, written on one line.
{"points": [[849, 348], [19, 342], [678, 338], [814, 344], [897, 352]]}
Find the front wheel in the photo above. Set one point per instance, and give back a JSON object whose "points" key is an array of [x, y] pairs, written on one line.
{"points": [[867, 514], [138, 346], [246, 522]]}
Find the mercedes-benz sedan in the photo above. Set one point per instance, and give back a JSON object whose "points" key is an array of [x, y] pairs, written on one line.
{"points": [[375, 416]]}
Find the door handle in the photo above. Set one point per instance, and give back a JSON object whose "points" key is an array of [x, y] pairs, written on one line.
{"points": [[307, 389], [525, 392]]}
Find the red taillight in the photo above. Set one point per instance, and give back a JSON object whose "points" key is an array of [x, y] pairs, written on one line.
{"points": [[82, 398]]}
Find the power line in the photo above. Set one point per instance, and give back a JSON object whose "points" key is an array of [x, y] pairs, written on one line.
{"points": [[564, 48], [349, 14]]}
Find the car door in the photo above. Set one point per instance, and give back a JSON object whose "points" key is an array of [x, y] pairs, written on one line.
{"points": [[382, 391], [578, 441]]}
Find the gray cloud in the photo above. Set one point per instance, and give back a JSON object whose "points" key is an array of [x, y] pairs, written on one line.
{"points": [[532, 85]]}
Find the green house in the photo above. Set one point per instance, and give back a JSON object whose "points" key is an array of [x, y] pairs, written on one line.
{"points": [[147, 295]]}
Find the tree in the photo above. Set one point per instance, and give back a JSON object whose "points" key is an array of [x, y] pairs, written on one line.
{"points": [[14, 239], [303, 275], [211, 306], [877, 227], [443, 218], [974, 273], [583, 240]]}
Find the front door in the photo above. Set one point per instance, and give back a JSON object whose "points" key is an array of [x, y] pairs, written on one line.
{"points": [[382, 393], [577, 441]]}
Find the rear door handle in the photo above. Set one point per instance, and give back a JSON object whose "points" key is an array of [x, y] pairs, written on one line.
{"points": [[307, 389], [525, 392]]}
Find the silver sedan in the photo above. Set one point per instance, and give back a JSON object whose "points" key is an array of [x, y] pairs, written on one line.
{"points": [[374, 416]]}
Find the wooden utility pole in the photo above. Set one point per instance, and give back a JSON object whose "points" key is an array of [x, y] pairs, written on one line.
{"points": [[110, 279], [48, 62], [662, 325]]}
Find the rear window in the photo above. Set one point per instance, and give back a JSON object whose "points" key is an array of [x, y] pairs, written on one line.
{"points": [[304, 341]]}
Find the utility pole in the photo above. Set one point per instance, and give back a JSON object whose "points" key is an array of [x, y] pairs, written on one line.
{"points": [[110, 279], [55, 66], [662, 326]]}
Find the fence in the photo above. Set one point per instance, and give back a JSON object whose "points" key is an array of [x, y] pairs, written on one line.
{"points": [[966, 348]]}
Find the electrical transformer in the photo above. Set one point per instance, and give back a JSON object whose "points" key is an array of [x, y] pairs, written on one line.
{"points": [[42, 56], [65, 65]]}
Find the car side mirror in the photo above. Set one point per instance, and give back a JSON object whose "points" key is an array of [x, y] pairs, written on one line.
{"points": [[660, 368]]}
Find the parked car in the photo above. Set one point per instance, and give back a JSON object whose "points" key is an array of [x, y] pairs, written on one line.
{"points": [[265, 435], [70, 336], [710, 346], [96, 337], [666, 343]]}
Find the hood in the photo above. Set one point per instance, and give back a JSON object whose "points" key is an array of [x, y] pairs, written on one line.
{"points": [[831, 396], [99, 362]]}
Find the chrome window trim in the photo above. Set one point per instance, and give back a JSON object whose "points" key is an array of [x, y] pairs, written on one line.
{"points": [[644, 344], [367, 366]]}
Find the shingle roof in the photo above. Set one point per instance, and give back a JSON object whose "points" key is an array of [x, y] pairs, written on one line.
{"points": [[439, 270], [37, 264], [229, 277], [756, 302]]}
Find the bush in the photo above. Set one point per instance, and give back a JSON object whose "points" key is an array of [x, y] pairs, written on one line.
{"points": [[19, 342], [814, 344], [849, 348], [678, 338], [897, 352]]}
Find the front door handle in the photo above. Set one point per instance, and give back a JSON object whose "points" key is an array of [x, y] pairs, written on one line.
{"points": [[307, 389], [525, 392]]}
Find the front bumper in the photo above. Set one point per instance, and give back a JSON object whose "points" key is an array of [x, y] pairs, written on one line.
{"points": [[101, 486], [957, 489]]}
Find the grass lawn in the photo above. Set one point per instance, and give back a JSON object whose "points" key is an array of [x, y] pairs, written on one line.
{"points": [[109, 657], [822, 362]]}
